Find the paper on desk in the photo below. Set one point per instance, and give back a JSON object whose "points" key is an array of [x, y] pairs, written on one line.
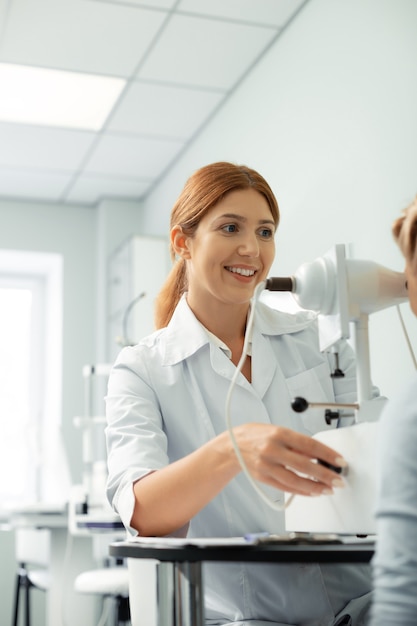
{"points": [[199, 542]]}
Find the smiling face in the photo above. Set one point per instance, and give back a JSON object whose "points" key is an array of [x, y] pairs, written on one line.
{"points": [[230, 253]]}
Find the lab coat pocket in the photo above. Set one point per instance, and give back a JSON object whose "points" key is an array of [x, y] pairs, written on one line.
{"points": [[314, 385]]}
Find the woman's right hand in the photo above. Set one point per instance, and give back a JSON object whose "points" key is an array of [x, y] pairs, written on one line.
{"points": [[166, 499], [288, 460]]}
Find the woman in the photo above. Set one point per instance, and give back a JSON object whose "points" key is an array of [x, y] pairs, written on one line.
{"points": [[172, 467], [395, 561]]}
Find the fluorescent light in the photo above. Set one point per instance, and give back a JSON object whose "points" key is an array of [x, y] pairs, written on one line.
{"points": [[34, 95]]}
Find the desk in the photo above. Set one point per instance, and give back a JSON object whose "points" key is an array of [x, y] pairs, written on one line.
{"points": [[179, 573]]}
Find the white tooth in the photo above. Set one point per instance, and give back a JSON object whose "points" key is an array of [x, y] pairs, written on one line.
{"points": [[243, 272]]}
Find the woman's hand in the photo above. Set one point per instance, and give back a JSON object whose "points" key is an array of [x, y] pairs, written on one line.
{"points": [[288, 460], [167, 499]]}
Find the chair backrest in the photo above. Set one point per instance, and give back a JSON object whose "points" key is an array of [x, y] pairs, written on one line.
{"points": [[32, 546]]}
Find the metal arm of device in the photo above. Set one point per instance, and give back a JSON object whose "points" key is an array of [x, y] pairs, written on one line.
{"points": [[344, 292]]}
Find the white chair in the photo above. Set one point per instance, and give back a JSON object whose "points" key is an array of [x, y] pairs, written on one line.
{"points": [[32, 549], [111, 582]]}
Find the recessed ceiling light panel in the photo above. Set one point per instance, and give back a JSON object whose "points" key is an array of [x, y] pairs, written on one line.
{"points": [[35, 95]]}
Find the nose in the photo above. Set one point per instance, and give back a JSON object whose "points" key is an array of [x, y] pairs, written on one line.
{"points": [[249, 246]]}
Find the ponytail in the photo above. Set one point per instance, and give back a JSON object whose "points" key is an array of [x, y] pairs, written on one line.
{"points": [[170, 294]]}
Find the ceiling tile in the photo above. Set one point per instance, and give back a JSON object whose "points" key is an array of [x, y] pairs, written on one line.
{"points": [[136, 157], [271, 12], [204, 52], [78, 35], [42, 148], [22, 183], [181, 58], [89, 189], [171, 112]]}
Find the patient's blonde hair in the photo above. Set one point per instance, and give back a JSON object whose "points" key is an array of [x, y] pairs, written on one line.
{"points": [[404, 230]]}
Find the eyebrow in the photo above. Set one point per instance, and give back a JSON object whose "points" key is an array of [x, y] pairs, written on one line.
{"points": [[240, 218]]}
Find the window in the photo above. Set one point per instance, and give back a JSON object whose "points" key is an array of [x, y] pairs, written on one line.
{"points": [[30, 373]]}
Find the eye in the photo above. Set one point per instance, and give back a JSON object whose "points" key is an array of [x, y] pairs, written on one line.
{"points": [[229, 228], [266, 233]]}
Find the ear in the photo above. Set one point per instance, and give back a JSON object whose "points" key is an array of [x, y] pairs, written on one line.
{"points": [[179, 242]]}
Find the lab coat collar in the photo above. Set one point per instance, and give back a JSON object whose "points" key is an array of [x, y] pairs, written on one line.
{"points": [[185, 335], [273, 322]]}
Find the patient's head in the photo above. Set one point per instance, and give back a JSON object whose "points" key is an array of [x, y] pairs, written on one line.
{"points": [[404, 230]]}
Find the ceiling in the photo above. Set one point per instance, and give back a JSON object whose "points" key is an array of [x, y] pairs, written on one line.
{"points": [[181, 60]]}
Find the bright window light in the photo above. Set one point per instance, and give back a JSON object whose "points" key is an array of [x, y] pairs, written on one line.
{"points": [[18, 430], [34, 95]]}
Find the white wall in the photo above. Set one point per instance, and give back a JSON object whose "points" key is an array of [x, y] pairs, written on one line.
{"points": [[329, 118], [116, 221]]}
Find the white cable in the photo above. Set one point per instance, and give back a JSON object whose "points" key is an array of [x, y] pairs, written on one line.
{"points": [[407, 338], [105, 611], [277, 506]]}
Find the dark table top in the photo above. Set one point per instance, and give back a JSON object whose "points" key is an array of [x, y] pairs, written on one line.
{"points": [[343, 552]]}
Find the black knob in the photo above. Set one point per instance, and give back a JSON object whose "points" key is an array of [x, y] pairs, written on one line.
{"points": [[299, 404], [329, 416]]}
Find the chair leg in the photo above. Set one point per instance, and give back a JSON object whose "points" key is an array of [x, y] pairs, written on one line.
{"points": [[123, 610], [16, 599], [116, 611], [23, 585]]}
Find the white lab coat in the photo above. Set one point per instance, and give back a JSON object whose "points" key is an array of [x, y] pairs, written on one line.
{"points": [[166, 397]]}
